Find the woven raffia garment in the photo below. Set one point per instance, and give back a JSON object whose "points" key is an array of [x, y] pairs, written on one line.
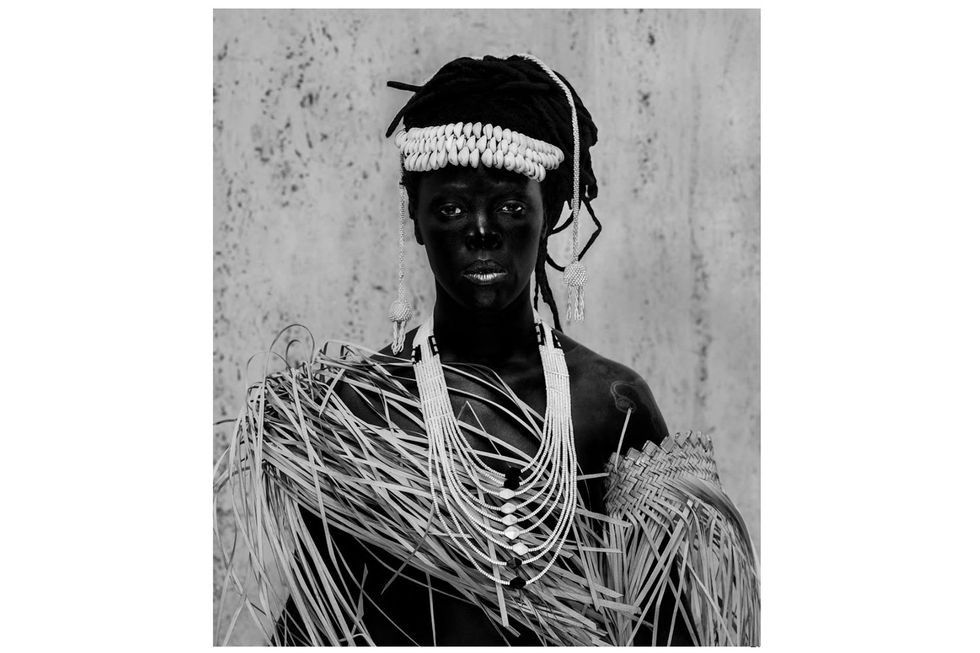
{"points": [[668, 530]]}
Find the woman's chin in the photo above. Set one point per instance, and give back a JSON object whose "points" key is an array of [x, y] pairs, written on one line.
{"points": [[486, 300], [483, 298]]}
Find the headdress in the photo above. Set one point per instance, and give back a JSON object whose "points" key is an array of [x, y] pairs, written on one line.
{"points": [[515, 114]]}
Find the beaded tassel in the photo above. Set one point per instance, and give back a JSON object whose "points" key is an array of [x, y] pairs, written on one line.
{"points": [[575, 276], [400, 312]]}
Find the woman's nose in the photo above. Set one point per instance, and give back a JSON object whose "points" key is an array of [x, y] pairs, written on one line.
{"points": [[484, 233]]}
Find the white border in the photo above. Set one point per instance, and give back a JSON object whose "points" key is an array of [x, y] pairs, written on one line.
{"points": [[870, 143]]}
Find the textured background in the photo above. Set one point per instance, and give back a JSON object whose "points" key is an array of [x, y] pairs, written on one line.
{"points": [[306, 204]]}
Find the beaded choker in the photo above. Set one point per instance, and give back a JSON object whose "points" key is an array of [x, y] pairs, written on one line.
{"points": [[524, 513]]}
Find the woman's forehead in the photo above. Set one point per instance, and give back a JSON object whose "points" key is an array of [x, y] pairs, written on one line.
{"points": [[471, 179]]}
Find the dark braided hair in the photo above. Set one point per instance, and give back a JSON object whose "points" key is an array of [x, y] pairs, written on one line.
{"points": [[515, 93]]}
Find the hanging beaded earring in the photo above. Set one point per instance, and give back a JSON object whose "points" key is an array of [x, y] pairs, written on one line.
{"points": [[575, 275], [400, 312]]}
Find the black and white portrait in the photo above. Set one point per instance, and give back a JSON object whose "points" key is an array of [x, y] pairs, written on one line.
{"points": [[462, 320]]}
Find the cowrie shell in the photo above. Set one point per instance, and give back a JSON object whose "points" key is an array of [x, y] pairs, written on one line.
{"points": [[519, 163], [441, 131], [509, 161], [464, 156], [453, 156], [482, 143], [471, 143], [498, 158], [488, 130], [507, 134], [478, 129], [458, 128], [498, 132], [468, 129], [487, 158], [474, 158], [443, 156]]}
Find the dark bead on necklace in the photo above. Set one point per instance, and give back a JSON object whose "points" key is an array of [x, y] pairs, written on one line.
{"points": [[511, 483], [514, 563], [517, 583]]}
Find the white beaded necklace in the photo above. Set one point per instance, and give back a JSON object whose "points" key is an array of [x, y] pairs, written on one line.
{"points": [[478, 501]]}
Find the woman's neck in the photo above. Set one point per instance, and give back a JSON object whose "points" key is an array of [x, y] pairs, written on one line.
{"points": [[491, 339]]}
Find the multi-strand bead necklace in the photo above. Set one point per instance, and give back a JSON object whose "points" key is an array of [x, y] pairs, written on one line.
{"points": [[489, 510]]}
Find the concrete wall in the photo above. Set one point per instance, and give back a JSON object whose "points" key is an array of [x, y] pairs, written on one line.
{"points": [[305, 201]]}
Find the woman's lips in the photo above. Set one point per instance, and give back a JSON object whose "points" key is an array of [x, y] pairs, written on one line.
{"points": [[484, 278], [483, 273]]}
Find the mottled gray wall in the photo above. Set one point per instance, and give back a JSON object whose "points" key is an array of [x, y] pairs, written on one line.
{"points": [[305, 201]]}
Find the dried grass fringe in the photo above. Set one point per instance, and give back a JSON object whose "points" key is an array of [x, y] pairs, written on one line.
{"points": [[296, 444]]}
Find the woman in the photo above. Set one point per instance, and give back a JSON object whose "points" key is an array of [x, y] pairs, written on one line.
{"points": [[469, 487]]}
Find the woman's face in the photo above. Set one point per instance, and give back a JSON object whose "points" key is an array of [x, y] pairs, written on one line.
{"points": [[480, 228]]}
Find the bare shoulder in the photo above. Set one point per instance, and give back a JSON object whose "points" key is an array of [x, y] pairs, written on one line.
{"points": [[604, 392], [385, 354]]}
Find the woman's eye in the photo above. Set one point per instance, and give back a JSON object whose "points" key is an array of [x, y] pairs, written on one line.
{"points": [[450, 210], [514, 208]]}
